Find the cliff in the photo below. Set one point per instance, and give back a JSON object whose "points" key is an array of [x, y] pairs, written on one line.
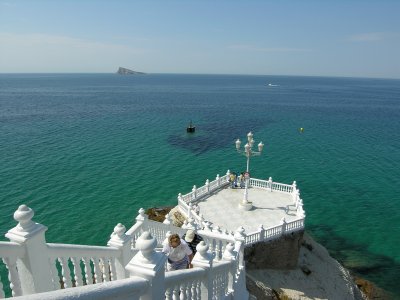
{"points": [[124, 71], [316, 276]]}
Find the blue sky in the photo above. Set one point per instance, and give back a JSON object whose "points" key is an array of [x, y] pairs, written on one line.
{"points": [[323, 38]]}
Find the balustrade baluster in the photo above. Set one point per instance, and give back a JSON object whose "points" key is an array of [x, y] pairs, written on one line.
{"points": [[168, 294], [88, 271], [54, 274], [76, 262], [66, 276], [113, 275], [105, 269], [13, 277], [2, 295], [97, 270], [175, 293], [182, 291]]}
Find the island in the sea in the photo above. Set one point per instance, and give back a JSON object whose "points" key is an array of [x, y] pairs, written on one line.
{"points": [[125, 71]]}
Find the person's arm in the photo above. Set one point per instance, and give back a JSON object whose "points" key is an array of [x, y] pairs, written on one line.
{"points": [[190, 260]]}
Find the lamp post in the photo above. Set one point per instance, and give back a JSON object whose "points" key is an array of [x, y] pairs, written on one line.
{"points": [[248, 152]]}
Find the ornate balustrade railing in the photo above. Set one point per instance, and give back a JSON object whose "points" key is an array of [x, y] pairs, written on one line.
{"points": [[262, 235], [185, 282], [87, 264], [41, 269]]}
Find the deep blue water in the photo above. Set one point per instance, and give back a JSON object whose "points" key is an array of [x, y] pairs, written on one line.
{"points": [[86, 151]]}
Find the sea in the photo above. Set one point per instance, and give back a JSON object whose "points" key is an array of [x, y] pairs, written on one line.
{"points": [[87, 151]]}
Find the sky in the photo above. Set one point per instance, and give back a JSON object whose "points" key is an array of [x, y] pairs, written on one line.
{"points": [[359, 38]]}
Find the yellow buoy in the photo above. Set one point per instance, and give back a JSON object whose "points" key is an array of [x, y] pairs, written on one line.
{"points": [[301, 129]]}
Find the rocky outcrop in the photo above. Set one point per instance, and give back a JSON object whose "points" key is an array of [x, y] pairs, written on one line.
{"points": [[125, 71], [279, 253], [316, 276]]}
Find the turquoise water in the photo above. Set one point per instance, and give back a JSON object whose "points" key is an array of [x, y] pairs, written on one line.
{"points": [[87, 151]]}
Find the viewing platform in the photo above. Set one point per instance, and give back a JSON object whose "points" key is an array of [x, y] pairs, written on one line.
{"points": [[276, 208], [268, 208]]}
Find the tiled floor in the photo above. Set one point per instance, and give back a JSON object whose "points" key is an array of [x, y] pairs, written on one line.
{"points": [[222, 209]]}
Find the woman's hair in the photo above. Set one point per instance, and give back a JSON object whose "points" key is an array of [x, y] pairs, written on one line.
{"points": [[174, 238]]}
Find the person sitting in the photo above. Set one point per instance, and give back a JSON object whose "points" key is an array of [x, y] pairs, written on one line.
{"points": [[178, 252], [192, 239]]}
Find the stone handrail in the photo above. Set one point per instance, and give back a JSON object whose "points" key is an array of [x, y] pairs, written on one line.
{"points": [[131, 288]]}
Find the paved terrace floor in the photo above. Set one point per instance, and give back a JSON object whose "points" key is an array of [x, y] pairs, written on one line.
{"points": [[222, 209]]}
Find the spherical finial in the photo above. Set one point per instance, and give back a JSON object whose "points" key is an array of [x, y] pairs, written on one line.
{"points": [[229, 251], [141, 211], [23, 215], [119, 229], [240, 232], [283, 220], [202, 248], [146, 244]]}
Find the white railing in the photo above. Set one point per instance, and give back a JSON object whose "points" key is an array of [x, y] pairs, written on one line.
{"points": [[185, 282], [197, 193], [274, 232], [41, 269], [272, 186], [87, 264]]}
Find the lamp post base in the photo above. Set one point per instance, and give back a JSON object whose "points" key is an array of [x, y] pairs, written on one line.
{"points": [[246, 206]]}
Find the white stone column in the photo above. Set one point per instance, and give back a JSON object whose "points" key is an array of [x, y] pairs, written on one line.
{"points": [[204, 259], [34, 267], [121, 241], [149, 264]]}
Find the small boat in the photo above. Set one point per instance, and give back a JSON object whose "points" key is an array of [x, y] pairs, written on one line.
{"points": [[190, 128]]}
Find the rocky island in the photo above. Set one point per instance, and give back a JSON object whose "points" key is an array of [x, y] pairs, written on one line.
{"points": [[125, 71]]}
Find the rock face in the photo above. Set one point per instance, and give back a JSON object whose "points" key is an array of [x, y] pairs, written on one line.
{"points": [[281, 253], [316, 276], [124, 71]]}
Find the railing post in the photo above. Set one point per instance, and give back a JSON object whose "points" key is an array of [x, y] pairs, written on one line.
{"points": [[149, 264], [33, 268], [194, 190], [262, 232], [208, 185], [270, 183], [227, 177], [283, 224], [218, 180], [300, 211], [121, 241], [204, 260], [142, 217], [189, 215]]}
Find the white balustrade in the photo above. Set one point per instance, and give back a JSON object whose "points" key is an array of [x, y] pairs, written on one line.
{"points": [[184, 284]]}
